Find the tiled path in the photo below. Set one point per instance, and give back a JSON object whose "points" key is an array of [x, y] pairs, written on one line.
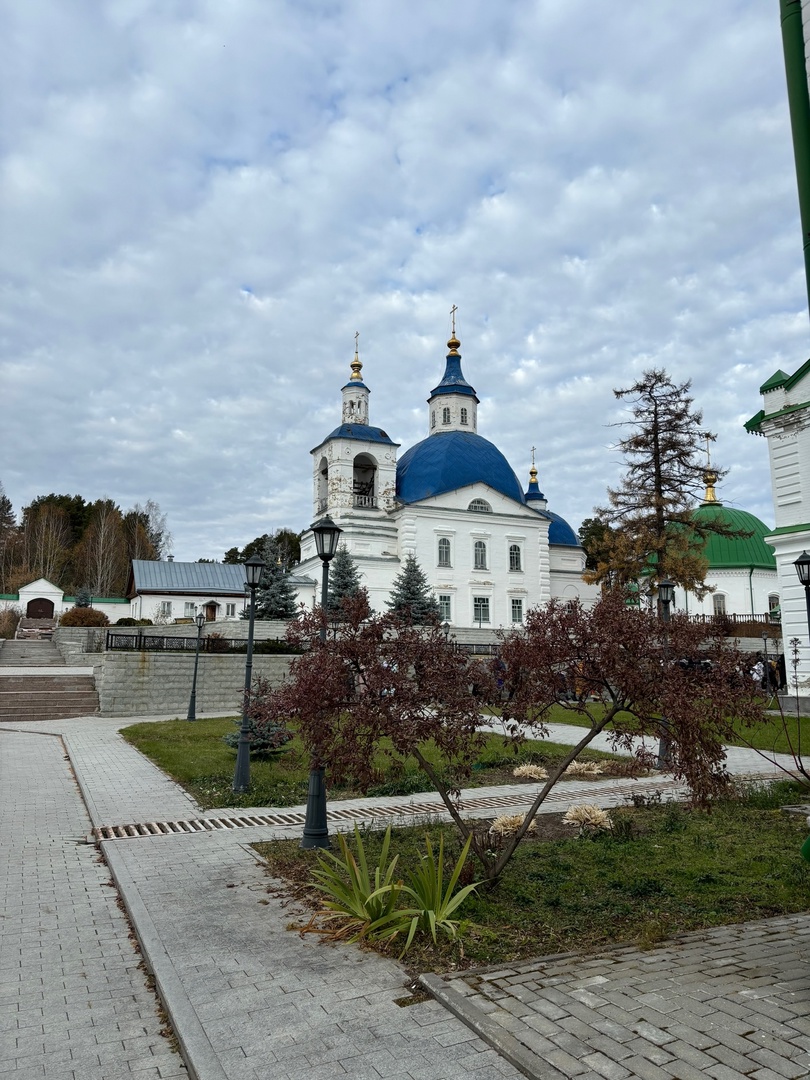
{"points": [[250, 999]]}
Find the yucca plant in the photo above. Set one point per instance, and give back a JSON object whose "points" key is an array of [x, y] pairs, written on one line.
{"points": [[362, 902], [433, 903]]}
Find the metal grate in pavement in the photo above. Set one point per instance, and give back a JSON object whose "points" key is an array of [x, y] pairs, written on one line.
{"points": [[356, 813]]}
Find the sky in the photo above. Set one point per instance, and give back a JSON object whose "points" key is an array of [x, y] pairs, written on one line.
{"points": [[201, 202]]}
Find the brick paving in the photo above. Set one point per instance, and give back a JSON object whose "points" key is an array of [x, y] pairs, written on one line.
{"points": [[250, 999]]}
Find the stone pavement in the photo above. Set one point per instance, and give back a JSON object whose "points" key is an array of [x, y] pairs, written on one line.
{"points": [[249, 999]]}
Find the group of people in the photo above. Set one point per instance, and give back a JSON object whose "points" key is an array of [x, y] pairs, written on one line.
{"points": [[769, 673]]}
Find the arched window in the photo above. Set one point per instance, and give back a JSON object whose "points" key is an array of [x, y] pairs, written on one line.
{"points": [[774, 609], [464, 416], [480, 506], [445, 415], [514, 558], [479, 555], [433, 418], [719, 602], [444, 551], [363, 481]]}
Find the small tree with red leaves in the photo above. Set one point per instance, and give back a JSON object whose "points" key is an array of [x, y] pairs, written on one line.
{"points": [[377, 677]]}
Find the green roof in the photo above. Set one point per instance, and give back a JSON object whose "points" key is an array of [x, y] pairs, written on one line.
{"points": [[777, 379], [727, 552]]}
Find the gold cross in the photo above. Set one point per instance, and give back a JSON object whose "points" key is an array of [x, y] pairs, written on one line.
{"points": [[533, 450], [453, 311], [356, 336]]}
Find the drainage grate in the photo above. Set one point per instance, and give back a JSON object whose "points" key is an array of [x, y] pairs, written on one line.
{"points": [[357, 813]]}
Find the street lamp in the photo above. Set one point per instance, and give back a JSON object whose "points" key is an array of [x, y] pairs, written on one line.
{"points": [[316, 831], [666, 594], [446, 629], [192, 704], [241, 777], [802, 565]]}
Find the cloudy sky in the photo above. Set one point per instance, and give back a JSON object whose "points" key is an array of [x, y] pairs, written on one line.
{"points": [[203, 200]]}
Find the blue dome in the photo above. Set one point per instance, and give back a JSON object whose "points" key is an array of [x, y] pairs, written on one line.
{"points": [[360, 432], [560, 532], [450, 460]]}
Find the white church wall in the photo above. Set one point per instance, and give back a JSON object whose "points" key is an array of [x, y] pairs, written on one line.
{"points": [[738, 592]]}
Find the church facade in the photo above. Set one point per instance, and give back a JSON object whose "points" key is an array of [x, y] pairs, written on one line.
{"points": [[490, 549]]}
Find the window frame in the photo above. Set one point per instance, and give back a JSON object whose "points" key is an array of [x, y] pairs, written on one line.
{"points": [[480, 555], [513, 601], [444, 553], [481, 604], [446, 607], [445, 414], [515, 559]]}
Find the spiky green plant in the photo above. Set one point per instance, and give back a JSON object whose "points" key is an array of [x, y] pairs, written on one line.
{"points": [[433, 903]]}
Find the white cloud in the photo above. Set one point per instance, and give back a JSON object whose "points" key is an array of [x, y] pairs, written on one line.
{"points": [[202, 202]]}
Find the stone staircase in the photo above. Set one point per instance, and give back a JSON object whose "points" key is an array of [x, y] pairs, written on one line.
{"points": [[35, 629], [43, 693]]}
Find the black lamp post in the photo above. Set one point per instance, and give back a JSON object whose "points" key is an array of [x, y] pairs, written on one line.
{"points": [[446, 629], [192, 704], [241, 777], [666, 594], [316, 831]]}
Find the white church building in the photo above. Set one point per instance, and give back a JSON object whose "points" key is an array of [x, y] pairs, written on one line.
{"points": [[490, 550]]}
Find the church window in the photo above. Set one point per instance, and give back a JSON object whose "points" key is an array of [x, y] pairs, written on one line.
{"points": [[480, 506], [433, 418], [719, 602], [464, 416], [773, 606], [444, 607], [444, 551], [445, 415], [517, 609], [514, 558], [481, 609], [479, 555]]}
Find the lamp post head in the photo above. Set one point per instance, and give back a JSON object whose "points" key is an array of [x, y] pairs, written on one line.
{"points": [[326, 534], [666, 591], [446, 628], [802, 565], [253, 571], [199, 619]]}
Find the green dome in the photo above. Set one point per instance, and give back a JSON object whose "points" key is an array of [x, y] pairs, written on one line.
{"points": [[735, 551]]}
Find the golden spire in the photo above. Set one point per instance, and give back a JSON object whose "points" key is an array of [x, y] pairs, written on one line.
{"points": [[709, 479], [355, 365], [710, 476], [453, 344], [533, 469]]}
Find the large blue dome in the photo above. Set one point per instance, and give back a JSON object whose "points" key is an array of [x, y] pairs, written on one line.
{"points": [[450, 460]]}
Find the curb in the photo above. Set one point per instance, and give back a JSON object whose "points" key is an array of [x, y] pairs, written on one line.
{"points": [[195, 1049], [515, 1052]]}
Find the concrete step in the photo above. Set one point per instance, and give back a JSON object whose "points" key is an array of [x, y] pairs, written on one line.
{"points": [[30, 654], [46, 697], [62, 683]]}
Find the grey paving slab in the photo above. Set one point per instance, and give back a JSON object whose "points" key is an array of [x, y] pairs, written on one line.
{"points": [[74, 1002]]}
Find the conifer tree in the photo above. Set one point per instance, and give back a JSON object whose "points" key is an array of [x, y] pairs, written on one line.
{"points": [[648, 528], [344, 580], [411, 595], [276, 596]]}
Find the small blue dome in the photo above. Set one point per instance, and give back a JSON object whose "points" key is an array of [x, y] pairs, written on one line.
{"points": [[560, 532], [450, 460], [361, 432]]}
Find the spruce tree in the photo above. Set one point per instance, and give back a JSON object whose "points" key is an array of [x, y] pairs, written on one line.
{"points": [[344, 580], [276, 597], [411, 596]]}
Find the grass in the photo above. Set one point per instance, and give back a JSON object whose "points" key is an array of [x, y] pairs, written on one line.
{"points": [[665, 869], [195, 756], [775, 734]]}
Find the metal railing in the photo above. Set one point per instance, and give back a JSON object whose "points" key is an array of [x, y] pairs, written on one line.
{"points": [[209, 643], [366, 502]]}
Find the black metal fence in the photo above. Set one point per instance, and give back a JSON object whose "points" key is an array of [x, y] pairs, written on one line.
{"points": [[209, 643]]}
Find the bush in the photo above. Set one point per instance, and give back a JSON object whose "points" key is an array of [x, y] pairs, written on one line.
{"points": [[216, 643], [77, 616], [9, 618], [266, 739], [126, 621]]}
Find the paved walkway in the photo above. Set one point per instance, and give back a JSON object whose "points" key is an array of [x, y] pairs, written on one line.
{"points": [[250, 999]]}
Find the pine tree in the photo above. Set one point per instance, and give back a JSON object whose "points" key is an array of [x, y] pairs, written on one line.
{"points": [[649, 517], [276, 597], [344, 580], [83, 597], [411, 596]]}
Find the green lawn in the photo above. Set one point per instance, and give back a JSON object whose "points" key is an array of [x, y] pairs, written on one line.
{"points": [[666, 869], [771, 735], [195, 755]]}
